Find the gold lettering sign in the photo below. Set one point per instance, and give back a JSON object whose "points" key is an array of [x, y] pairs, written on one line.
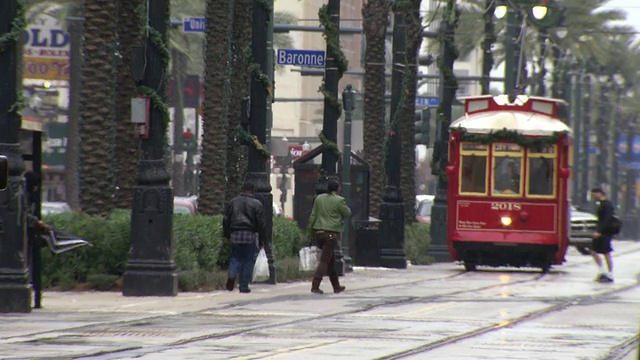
{"points": [[507, 147]]}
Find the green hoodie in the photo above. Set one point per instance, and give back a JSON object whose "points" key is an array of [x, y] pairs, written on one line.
{"points": [[328, 213]]}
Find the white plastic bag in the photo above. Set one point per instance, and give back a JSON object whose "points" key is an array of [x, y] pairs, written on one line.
{"points": [[261, 267], [309, 258]]}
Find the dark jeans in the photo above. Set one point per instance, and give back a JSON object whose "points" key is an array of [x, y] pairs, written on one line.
{"points": [[241, 263], [327, 241]]}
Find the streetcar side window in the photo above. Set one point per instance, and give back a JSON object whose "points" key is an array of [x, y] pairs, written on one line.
{"points": [[473, 169], [507, 169], [541, 170]]}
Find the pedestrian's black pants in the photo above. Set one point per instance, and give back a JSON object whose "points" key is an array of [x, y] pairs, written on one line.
{"points": [[327, 241]]}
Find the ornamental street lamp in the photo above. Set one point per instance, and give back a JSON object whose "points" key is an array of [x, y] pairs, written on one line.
{"points": [[151, 270], [15, 290]]}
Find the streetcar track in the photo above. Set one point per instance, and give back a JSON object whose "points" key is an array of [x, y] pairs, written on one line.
{"points": [[136, 351]]}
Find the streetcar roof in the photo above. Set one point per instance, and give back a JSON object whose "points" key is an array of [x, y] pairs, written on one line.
{"points": [[533, 116], [524, 123]]}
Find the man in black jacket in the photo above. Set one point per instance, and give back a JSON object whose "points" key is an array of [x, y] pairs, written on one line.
{"points": [[602, 236], [243, 222]]}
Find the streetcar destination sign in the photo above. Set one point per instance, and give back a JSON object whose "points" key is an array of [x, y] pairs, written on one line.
{"points": [[312, 58]]}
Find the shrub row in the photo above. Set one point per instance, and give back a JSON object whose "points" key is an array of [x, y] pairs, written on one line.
{"points": [[201, 254]]}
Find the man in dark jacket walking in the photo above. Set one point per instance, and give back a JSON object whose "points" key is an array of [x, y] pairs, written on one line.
{"points": [[243, 222], [325, 225], [602, 236]]}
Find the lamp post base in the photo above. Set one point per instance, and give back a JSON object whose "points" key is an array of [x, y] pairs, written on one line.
{"points": [[150, 279], [16, 298], [151, 270]]}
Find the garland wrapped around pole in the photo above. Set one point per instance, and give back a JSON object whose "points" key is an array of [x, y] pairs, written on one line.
{"points": [[511, 136], [332, 38]]}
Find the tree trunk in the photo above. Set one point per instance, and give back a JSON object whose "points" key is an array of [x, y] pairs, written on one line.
{"points": [[213, 166], [413, 27], [375, 15], [240, 80], [97, 109]]}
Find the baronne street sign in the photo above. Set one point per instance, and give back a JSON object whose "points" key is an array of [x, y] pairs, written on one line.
{"points": [[194, 24], [312, 58]]}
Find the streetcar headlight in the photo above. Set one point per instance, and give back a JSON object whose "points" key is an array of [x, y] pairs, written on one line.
{"points": [[505, 220]]}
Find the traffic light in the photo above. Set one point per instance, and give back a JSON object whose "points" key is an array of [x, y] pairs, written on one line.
{"points": [[422, 119], [4, 172]]}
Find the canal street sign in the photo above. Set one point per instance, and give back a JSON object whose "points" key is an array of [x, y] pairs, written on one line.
{"points": [[312, 58], [424, 101], [194, 24]]}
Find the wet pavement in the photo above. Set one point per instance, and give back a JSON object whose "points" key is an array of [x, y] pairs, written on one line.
{"points": [[424, 312]]}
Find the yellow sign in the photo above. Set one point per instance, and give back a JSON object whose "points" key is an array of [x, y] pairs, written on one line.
{"points": [[47, 68]]}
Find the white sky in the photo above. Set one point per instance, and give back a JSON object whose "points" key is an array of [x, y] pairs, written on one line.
{"points": [[631, 7]]}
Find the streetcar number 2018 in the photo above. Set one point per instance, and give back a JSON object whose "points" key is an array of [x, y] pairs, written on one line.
{"points": [[505, 206]]}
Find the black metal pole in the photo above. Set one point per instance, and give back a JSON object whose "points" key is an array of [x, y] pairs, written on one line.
{"points": [[348, 100], [603, 136], [511, 63], [330, 123], [151, 270], [613, 175], [15, 290], [578, 133], [586, 134], [438, 247], [260, 106], [392, 208]]}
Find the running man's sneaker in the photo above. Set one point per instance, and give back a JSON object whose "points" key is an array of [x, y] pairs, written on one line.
{"points": [[599, 277], [605, 278]]}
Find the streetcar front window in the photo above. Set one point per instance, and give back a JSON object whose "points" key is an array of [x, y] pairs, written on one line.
{"points": [[473, 169], [507, 169], [473, 177], [541, 171]]}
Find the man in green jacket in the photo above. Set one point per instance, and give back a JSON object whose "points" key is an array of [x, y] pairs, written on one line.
{"points": [[325, 225]]}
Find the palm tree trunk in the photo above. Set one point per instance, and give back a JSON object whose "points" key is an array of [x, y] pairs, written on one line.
{"points": [[213, 163], [126, 145], [375, 14], [72, 154], [97, 108], [240, 80], [413, 28]]}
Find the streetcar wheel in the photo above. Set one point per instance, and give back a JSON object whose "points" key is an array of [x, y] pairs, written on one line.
{"points": [[469, 266]]}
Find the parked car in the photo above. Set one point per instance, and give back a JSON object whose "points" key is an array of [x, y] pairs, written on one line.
{"points": [[55, 207], [583, 225], [185, 205], [423, 213], [419, 198]]}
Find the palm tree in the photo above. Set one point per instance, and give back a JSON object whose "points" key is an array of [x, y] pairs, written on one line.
{"points": [[240, 80], [413, 29], [375, 15], [213, 181], [97, 105]]}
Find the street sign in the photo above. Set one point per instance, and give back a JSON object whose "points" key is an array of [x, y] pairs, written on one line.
{"points": [[312, 58], [194, 24], [430, 101]]}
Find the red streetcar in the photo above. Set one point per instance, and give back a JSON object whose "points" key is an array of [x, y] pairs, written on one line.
{"points": [[508, 174]]}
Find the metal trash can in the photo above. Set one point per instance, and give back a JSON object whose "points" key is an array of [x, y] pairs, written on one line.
{"points": [[367, 252]]}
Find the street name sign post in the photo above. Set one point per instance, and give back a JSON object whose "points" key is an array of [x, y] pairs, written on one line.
{"points": [[194, 24]]}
